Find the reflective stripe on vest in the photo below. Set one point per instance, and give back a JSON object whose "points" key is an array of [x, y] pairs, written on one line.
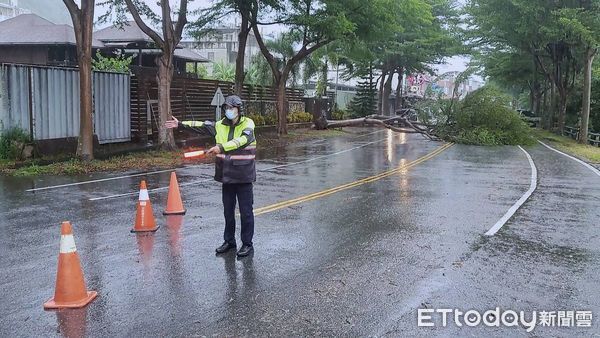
{"points": [[237, 157]]}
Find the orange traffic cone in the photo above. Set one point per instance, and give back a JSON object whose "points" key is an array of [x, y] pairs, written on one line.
{"points": [[70, 290], [174, 204], [144, 218]]}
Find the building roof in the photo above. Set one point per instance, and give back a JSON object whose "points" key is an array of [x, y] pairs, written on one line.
{"points": [[115, 36], [31, 29], [190, 55], [128, 32]]}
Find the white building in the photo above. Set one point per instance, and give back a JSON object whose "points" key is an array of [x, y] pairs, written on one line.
{"points": [[51, 10], [222, 45]]}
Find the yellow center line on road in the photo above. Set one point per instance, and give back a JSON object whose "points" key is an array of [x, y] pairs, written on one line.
{"points": [[326, 192]]}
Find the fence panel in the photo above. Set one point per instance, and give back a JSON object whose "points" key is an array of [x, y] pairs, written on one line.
{"points": [[55, 94], [44, 101], [111, 107], [14, 98]]}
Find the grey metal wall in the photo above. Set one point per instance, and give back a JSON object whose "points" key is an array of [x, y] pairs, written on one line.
{"points": [[14, 98], [55, 94], [44, 101], [112, 119]]}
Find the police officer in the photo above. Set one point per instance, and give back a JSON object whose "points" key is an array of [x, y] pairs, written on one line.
{"points": [[234, 167]]}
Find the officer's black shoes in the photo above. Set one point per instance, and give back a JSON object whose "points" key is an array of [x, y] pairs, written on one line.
{"points": [[245, 250], [226, 246]]}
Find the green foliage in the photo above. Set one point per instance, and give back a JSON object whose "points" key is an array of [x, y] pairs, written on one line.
{"points": [[223, 71], [595, 105], [259, 72], [263, 120], [270, 119], [543, 44], [484, 118], [259, 120], [201, 71], [339, 114], [365, 101], [12, 142], [299, 117], [118, 63]]}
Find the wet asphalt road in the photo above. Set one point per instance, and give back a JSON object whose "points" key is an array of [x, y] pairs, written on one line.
{"points": [[359, 262]]}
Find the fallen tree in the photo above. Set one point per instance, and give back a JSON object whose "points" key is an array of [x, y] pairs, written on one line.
{"points": [[399, 123]]}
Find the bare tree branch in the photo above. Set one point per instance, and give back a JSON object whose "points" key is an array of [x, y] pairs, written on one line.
{"points": [[404, 126], [181, 20], [140, 22], [267, 54]]}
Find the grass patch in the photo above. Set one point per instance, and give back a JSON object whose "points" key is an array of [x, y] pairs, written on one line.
{"points": [[137, 161], [142, 161], [584, 151]]}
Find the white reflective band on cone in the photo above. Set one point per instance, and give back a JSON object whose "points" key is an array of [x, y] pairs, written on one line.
{"points": [[67, 244], [144, 195]]}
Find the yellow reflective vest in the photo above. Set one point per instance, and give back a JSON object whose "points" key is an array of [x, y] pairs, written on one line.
{"points": [[236, 162]]}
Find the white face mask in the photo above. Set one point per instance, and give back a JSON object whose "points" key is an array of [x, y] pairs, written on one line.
{"points": [[231, 113]]}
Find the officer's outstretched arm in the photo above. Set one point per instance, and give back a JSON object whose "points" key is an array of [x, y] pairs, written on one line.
{"points": [[240, 142], [199, 127]]}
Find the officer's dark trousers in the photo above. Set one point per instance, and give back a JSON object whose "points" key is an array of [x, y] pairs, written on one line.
{"points": [[243, 192]]}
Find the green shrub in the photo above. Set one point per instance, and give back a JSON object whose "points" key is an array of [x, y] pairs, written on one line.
{"points": [[258, 119], [270, 119], [484, 118], [299, 117], [339, 114], [12, 142], [117, 63]]}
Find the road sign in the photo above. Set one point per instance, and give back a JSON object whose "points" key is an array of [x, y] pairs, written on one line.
{"points": [[218, 101]]}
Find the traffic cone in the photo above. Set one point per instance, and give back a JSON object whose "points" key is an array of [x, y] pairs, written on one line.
{"points": [[144, 218], [174, 204], [70, 290]]}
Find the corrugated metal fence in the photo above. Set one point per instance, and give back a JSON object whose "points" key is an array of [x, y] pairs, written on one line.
{"points": [[44, 101]]}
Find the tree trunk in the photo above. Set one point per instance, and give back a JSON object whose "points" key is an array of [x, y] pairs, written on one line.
{"points": [[282, 107], [562, 110], [83, 26], [544, 108], [387, 91], [241, 55], [587, 91], [380, 86], [85, 144], [399, 99], [552, 105], [166, 141], [536, 99]]}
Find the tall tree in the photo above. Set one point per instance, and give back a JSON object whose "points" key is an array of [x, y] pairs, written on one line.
{"points": [[427, 37], [167, 42], [364, 102], [535, 29], [314, 24], [213, 15], [584, 23], [83, 24]]}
